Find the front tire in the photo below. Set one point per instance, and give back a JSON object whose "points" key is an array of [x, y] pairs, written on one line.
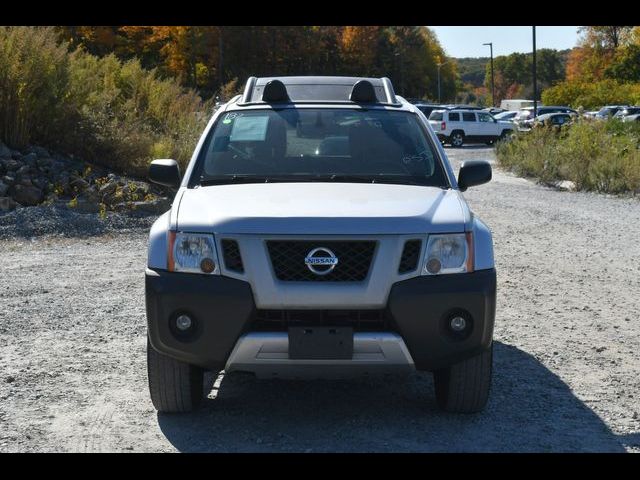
{"points": [[175, 386], [464, 387]]}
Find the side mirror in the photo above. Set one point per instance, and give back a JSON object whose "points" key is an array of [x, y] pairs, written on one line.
{"points": [[473, 172], [165, 172]]}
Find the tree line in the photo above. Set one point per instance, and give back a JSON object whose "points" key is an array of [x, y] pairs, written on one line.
{"points": [[216, 60]]}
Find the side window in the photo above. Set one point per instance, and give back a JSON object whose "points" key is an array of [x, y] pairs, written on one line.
{"points": [[484, 117], [454, 117], [468, 117]]}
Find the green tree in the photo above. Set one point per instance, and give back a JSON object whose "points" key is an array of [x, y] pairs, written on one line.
{"points": [[625, 65]]}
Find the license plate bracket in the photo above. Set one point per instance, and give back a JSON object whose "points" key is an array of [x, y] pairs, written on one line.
{"points": [[320, 343]]}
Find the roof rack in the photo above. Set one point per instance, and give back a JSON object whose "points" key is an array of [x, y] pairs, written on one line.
{"points": [[319, 90]]}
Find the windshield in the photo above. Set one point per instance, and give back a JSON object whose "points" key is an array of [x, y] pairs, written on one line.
{"points": [[373, 146]]}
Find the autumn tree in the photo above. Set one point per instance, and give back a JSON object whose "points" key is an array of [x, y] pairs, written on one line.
{"points": [[210, 57]]}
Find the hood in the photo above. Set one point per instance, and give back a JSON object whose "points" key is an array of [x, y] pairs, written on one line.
{"points": [[321, 208]]}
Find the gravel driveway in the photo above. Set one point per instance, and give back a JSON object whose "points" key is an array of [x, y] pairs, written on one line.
{"points": [[567, 358]]}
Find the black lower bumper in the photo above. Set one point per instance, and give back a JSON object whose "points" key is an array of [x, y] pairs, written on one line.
{"points": [[423, 306], [223, 309]]}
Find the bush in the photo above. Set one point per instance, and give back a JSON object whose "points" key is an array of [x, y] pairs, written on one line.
{"points": [[113, 113], [596, 156], [33, 83], [591, 95]]}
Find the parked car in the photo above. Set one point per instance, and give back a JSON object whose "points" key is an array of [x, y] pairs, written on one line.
{"points": [[427, 108], [351, 252], [525, 116], [457, 127], [462, 107], [494, 110], [635, 117], [609, 111], [553, 119], [506, 116], [627, 112]]}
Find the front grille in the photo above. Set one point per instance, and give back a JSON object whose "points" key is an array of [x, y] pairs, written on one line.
{"points": [[288, 260], [410, 256], [231, 256], [359, 320]]}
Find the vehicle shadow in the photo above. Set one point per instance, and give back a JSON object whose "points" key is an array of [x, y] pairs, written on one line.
{"points": [[530, 409]]}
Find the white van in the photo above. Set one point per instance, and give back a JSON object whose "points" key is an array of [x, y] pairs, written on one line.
{"points": [[515, 104]]}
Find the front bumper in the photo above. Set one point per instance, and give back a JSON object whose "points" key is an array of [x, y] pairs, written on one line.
{"points": [[224, 311]]}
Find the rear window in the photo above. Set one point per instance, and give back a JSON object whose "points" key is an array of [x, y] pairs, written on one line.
{"points": [[436, 115], [454, 117], [468, 117]]}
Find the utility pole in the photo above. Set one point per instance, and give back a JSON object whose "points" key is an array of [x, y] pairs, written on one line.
{"points": [[535, 79], [493, 84], [440, 65]]}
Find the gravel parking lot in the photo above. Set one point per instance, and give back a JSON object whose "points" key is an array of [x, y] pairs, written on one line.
{"points": [[567, 358]]}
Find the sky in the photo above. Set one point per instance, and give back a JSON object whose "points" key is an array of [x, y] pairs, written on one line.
{"points": [[467, 41]]}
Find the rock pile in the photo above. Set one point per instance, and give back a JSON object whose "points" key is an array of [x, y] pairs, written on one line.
{"points": [[37, 177]]}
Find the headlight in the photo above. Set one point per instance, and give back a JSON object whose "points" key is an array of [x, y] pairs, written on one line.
{"points": [[452, 253], [192, 253]]}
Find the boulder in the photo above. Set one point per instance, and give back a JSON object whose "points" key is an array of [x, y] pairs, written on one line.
{"points": [[3, 189], [41, 182], [23, 170], [30, 159], [79, 183], [7, 204], [92, 194], [27, 196], [84, 205], [40, 152], [5, 152], [566, 186], [11, 165], [155, 207], [9, 179], [44, 162], [108, 188]]}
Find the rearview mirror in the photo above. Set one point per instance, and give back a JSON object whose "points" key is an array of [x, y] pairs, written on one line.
{"points": [[165, 172], [473, 172]]}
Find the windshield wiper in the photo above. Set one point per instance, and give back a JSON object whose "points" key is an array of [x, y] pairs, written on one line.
{"points": [[339, 178], [380, 178], [229, 179]]}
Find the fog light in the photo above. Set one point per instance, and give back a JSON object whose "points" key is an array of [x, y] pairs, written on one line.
{"points": [[183, 323], [458, 324], [433, 265], [207, 265]]}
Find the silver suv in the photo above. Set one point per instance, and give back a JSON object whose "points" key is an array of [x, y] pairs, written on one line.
{"points": [[457, 127], [319, 231]]}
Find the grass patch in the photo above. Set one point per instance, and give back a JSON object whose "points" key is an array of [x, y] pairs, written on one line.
{"points": [[596, 156]]}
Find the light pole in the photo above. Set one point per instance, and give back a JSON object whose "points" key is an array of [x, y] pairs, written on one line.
{"points": [[493, 85], [397, 55], [439, 65], [535, 78]]}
